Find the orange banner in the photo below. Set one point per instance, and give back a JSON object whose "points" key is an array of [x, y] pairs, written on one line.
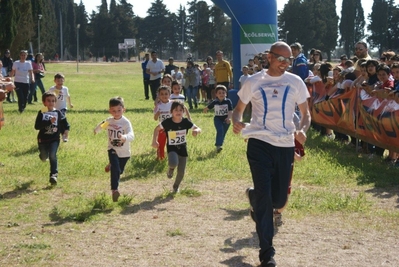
{"points": [[377, 119]]}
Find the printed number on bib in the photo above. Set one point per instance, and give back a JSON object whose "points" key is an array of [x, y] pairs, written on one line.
{"points": [[221, 110], [163, 117], [177, 137]]}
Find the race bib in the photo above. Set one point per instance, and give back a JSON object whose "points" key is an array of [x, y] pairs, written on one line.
{"points": [[177, 137], [164, 116], [221, 110]]}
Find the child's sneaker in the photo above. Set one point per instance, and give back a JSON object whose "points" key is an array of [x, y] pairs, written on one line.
{"points": [[53, 179], [218, 149], [65, 138], [176, 190], [107, 168], [115, 195], [170, 173]]}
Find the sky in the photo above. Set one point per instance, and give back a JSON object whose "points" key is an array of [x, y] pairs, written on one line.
{"points": [[140, 7]]}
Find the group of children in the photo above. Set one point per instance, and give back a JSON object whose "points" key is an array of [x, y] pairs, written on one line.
{"points": [[174, 124]]}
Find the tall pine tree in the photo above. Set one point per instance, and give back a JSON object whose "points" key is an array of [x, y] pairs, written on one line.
{"points": [[352, 24]]}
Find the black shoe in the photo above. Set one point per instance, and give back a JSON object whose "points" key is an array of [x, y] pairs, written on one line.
{"points": [[53, 179], [249, 191], [170, 173], [269, 263]]}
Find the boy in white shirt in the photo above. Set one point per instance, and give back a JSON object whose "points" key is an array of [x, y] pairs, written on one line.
{"points": [[62, 93]]}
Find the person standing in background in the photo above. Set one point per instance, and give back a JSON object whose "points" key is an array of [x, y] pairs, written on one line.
{"points": [[170, 67], [38, 70], [23, 72], [6, 70], [155, 68], [146, 76], [300, 63], [223, 74]]}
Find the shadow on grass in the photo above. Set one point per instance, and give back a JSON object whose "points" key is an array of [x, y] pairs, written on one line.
{"points": [[232, 247], [145, 164], [385, 194], [236, 261], [235, 215], [368, 171], [147, 205], [79, 217], [29, 151], [20, 189], [210, 155], [77, 211]]}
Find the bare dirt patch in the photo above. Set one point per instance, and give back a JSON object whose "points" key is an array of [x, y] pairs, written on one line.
{"points": [[213, 229]]}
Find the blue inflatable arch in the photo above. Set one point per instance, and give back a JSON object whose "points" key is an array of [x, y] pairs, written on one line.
{"points": [[254, 29]]}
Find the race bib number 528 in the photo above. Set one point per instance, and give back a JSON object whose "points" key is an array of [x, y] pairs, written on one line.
{"points": [[177, 137]]}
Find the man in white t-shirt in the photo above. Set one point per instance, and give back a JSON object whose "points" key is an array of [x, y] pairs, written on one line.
{"points": [[273, 93], [155, 68]]}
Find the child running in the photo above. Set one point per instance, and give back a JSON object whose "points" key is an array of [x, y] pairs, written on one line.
{"points": [[50, 122], [223, 112], [176, 129], [63, 97], [120, 134], [161, 113], [177, 96]]}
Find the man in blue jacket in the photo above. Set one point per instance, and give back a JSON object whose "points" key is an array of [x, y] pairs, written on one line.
{"points": [[300, 63]]}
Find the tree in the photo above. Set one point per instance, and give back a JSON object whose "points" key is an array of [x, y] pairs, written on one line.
{"points": [[181, 29], [351, 25], [157, 28], [313, 23], [82, 20], [394, 29], [200, 27], [220, 32], [8, 20], [294, 19], [379, 25]]}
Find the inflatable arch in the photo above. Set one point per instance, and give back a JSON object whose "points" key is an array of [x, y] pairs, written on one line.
{"points": [[254, 29]]}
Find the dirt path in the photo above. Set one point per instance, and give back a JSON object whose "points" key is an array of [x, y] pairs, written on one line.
{"points": [[211, 230]]}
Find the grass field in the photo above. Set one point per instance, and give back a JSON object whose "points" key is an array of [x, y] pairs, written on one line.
{"points": [[332, 181]]}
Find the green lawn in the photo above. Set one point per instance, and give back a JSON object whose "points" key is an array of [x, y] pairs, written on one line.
{"points": [[332, 178]]}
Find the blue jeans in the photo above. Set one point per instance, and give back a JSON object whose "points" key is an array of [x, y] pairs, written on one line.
{"points": [[32, 93], [271, 171], [221, 130], [39, 84], [117, 168], [192, 92], [49, 151]]}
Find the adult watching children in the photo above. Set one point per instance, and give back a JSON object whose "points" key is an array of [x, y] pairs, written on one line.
{"points": [[361, 52], [155, 68], [146, 76], [23, 72]]}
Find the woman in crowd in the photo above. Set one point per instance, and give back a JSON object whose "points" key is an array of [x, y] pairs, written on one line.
{"points": [[38, 70], [22, 72]]}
